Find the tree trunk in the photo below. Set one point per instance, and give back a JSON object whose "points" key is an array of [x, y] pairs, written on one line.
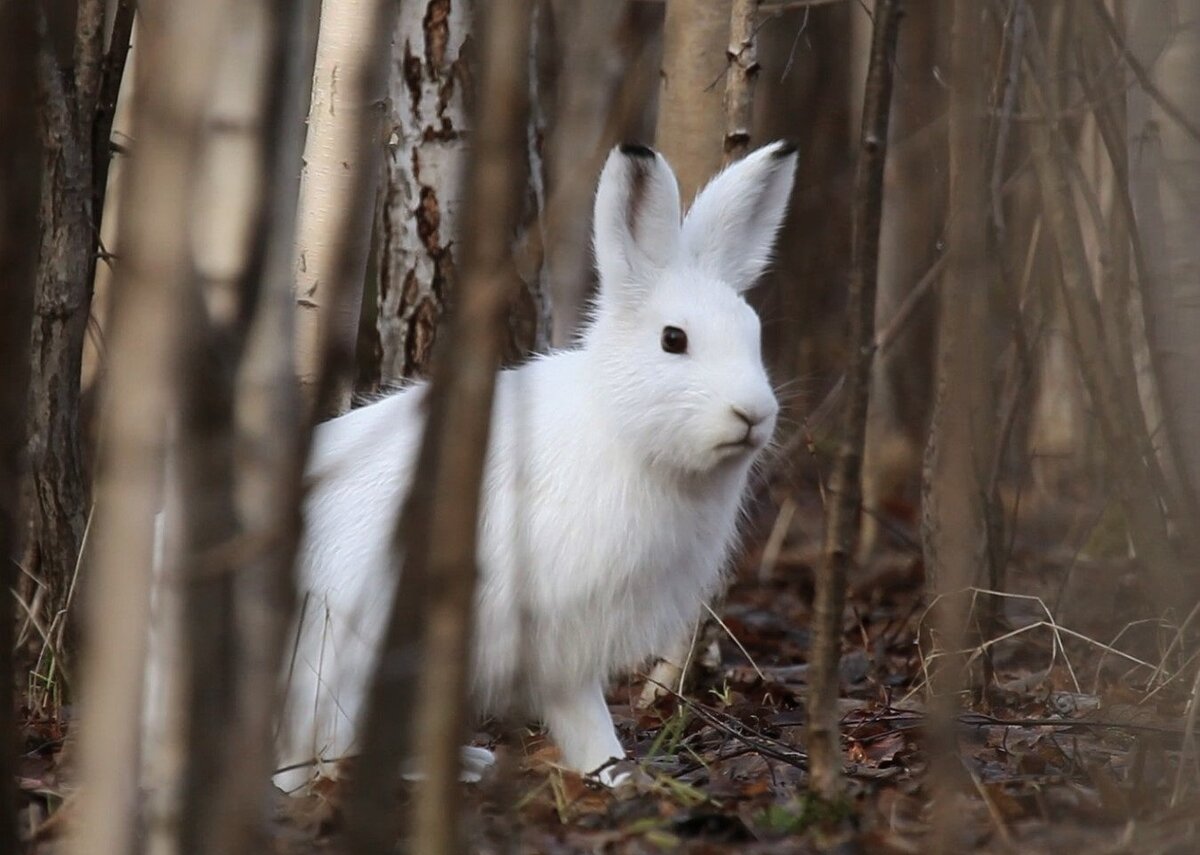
{"points": [[1165, 186], [691, 113], [914, 217], [841, 524], [740, 78], [602, 69], [440, 519], [421, 200], [178, 58], [20, 174], [237, 602], [958, 457], [67, 97], [327, 307]]}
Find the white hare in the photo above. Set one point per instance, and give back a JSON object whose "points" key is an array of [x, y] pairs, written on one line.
{"points": [[614, 480]]}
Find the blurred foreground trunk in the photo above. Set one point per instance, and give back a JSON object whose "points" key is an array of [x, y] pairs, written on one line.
{"points": [[20, 177], [238, 448], [178, 58], [439, 526]]}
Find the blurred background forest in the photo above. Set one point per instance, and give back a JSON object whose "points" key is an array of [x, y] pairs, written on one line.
{"points": [[965, 615]]}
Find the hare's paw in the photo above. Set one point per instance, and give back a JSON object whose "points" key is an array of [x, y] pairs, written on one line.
{"points": [[620, 775], [583, 729], [474, 763]]}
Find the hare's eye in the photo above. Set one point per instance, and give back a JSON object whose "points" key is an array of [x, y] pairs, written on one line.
{"points": [[674, 340]]}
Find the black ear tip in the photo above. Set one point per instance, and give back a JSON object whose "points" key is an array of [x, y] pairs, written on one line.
{"points": [[785, 148], [636, 150]]}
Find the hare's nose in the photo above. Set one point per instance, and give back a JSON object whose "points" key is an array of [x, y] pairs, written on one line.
{"points": [[752, 418]]}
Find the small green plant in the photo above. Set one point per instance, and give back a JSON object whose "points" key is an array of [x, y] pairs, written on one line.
{"points": [[724, 695], [666, 742], [803, 813]]}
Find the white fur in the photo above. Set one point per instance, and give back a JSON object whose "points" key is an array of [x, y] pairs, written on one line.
{"points": [[610, 506]]}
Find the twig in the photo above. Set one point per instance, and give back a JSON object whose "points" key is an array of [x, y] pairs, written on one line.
{"points": [[112, 73], [1140, 501], [1189, 739], [775, 540], [735, 640], [1140, 72], [841, 528], [743, 733], [993, 812]]}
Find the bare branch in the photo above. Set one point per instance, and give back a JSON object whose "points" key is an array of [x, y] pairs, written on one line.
{"points": [[841, 525], [1141, 504], [1140, 72]]}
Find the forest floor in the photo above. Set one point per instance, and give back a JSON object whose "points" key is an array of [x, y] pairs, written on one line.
{"points": [[1073, 743]]}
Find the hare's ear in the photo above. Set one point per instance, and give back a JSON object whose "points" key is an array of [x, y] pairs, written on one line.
{"points": [[731, 228], [636, 222]]}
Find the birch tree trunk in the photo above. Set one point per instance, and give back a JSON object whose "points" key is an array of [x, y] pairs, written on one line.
{"points": [[440, 518], [1164, 38], [421, 199], [691, 115], [328, 193], [20, 175]]}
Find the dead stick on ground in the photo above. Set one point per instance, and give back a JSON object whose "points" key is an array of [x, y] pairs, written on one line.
{"points": [[841, 527]]}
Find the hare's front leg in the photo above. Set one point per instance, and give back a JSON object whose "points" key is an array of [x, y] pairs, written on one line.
{"points": [[581, 725]]}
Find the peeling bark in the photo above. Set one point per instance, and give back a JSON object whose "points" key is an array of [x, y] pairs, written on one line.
{"points": [[422, 194]]}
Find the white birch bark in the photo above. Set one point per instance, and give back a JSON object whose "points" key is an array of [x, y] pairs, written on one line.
{"points": [[418, 216], [327, 190]]}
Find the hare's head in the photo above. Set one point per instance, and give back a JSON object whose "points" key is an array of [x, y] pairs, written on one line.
{"points": [[677, 348]]}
